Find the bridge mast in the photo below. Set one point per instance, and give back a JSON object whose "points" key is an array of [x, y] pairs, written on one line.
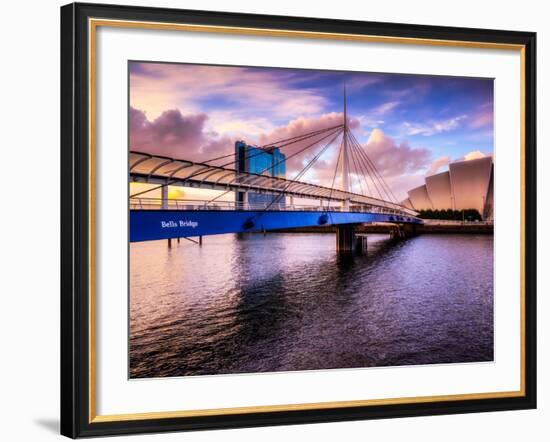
{"points": [[345, 159]]}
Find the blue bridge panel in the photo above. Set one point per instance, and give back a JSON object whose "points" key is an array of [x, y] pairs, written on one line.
{"points": [[147, 225]]}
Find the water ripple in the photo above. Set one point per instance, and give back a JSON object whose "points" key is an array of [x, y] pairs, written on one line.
{"points": [[287, 302]]}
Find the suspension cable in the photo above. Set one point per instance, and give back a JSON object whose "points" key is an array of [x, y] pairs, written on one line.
{"points": [[278, 142], [394, 199], [360, 167], [277, 163], [357, 172], [307, 135], [296, 140], [335, 172], [381, 180], [370, 172], [365, 172], [305, 169]]}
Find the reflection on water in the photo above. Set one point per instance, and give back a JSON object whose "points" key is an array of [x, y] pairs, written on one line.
{"points": [[285, 302]]}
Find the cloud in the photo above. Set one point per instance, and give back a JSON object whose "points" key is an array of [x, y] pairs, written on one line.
{"points": [[175, 135], [437, 164], [357, 82], [401, 184], [484, 117], [474, 155], [398, 163], [169, 132], [392, 158], [324, 166], [246, 91], [445, 160], [433, 127], [186, 136], [369, 122], [375, 116], [227, 123], [384, 108]]}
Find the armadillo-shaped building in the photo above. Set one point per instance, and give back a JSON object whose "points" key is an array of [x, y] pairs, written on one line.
{"points": [[466, 185]]}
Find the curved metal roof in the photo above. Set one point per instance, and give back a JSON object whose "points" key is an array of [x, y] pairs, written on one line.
{"points": [[149, 168]]}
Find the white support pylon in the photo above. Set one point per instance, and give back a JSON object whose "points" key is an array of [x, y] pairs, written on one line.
{"points": [[345, 158]]}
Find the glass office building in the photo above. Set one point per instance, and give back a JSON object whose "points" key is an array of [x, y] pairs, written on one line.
{"points": [[269, 162]]}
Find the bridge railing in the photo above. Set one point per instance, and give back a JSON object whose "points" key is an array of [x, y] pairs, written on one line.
{"points": [[193, 204], [441, 222]]}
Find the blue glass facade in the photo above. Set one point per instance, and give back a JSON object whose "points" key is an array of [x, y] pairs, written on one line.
{"points": [[269, 162]]}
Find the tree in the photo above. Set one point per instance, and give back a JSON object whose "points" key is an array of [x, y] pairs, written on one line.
{"points": [[450, 215]]}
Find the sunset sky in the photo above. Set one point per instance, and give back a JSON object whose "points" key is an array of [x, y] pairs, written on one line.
{"points": [[410, 125]]}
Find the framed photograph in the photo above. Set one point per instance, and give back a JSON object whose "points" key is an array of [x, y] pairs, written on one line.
{"points": [[275, 220]]}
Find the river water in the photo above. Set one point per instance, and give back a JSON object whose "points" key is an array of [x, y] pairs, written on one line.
{"points": [[286, 301]]}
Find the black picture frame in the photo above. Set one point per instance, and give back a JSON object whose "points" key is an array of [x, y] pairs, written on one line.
{"points": [[76, 418]]}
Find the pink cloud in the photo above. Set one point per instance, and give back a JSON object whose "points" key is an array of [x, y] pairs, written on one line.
{"points": [[175, 135], [401, 184], [474, 155], [398, 163], [157, 86], [437, 164], [483, 119], [392, 158], [185, 136], [300, 126]]}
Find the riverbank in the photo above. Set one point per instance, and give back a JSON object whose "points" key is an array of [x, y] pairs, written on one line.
{"points": [[472, 228]]}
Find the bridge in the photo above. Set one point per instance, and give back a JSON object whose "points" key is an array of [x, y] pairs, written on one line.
{"points": [[364, 196]]}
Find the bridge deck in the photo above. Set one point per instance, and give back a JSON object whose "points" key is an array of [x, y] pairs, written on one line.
{"points": [[146, 225]]}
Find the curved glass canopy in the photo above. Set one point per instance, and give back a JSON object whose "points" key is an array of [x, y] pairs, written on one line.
{"points": [[156, 169]]}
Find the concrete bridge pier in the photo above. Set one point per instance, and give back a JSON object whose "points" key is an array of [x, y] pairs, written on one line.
{"points": [[409, 229], [396, 233], [361, 244], [348, 242], [402, 231]]}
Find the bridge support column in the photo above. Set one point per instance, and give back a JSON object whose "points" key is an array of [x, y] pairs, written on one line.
{"points": [[164, 197], [345, 239], [241, 199], [348, 242], [361, 244], [396, 233], [402, 231], [409, 230]]}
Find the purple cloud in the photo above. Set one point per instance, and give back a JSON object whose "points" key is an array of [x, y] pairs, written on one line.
{"points": [[184, 136], [175, 135]]}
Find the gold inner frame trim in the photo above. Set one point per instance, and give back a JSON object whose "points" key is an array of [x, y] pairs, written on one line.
{"points": [[93, 24]]}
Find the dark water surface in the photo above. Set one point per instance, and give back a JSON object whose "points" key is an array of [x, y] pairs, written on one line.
{"points": [[287, 302]]}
